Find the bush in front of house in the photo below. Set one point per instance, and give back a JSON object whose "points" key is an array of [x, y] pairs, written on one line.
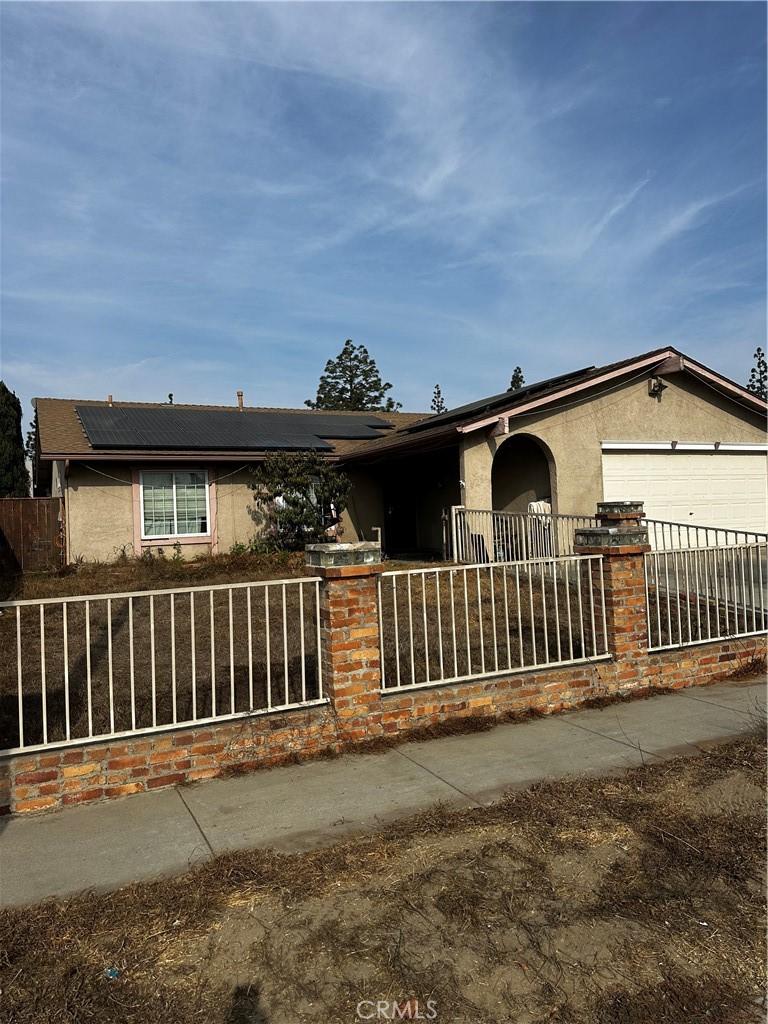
{"points": [[299, 498]]}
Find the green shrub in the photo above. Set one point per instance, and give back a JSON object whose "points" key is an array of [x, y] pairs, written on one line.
{"points": [[298, 497]]}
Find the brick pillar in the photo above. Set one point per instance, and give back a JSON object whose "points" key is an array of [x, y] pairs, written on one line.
{"points": [[622, 543], [349, 633]]}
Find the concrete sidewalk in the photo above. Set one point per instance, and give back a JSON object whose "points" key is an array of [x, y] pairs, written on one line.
{"points": [[104, 846]]}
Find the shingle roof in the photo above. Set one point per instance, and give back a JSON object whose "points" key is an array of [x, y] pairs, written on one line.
{"points": [[434, 431], [506, 398], [63, 435]]}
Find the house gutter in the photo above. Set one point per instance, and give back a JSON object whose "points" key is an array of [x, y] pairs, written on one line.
{"points": [[680, 446], [174, 456]]}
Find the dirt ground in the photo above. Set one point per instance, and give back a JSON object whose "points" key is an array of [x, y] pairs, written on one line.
{"points": [[636, 899]]}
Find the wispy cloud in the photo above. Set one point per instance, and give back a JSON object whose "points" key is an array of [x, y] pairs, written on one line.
{"points": [[617, 208], [260, 181]]}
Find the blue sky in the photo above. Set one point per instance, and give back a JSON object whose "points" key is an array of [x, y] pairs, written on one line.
{"points": [[198, 198]]}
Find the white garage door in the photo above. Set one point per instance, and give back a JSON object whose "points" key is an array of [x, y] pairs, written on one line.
{"points": [[707, 488]]}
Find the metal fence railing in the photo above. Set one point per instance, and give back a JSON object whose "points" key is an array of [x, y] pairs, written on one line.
{"points": [[668, 536], [482, 535], [456, 623], [82, 668], [705, 593]]}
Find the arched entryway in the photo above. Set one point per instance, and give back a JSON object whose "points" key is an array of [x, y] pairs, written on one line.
{"points": [[522, 472]]}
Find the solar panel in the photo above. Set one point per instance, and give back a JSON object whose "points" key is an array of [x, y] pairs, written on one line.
{"points": [[176, 429], [503, 398]]}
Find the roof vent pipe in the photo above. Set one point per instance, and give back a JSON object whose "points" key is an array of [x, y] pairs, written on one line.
{"points": [[240, 400], [109, 400]]}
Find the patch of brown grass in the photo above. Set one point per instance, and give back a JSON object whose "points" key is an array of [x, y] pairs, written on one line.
{"points": [[676, 998], [130, 574], [756, 666]]}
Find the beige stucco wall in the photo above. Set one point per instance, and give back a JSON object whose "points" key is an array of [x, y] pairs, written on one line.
{"points": [[99, 512], [688, 411], [234, 499]]}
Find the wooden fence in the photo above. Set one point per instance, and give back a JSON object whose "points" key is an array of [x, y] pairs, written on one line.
{"points": [[31, 534]]}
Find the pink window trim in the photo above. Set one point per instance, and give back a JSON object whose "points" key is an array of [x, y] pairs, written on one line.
{"points": [[211, 538]]}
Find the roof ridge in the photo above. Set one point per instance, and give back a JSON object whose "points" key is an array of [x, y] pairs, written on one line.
{"points": [[126, 404]]}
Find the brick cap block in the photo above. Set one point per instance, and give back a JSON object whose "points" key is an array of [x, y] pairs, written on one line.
{"points": [[361, 553], [620, 509], [605, 538]]}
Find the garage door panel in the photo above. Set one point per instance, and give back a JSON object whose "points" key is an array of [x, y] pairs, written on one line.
{"points": [[723, 489]]}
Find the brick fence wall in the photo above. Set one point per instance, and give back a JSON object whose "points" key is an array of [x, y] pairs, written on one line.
{"points": [[357, 710], [106, 770]]}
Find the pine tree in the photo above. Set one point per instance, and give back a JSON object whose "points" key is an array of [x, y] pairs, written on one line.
{"points": [[352, 381], [438, 405], [14, 478], [758, 378], [30, 442], [518, 380]]}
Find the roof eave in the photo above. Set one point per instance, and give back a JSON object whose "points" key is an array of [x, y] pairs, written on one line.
{"points": [[419, 442], [741, 394], [556, 396], [171, 456], [674, 359]]}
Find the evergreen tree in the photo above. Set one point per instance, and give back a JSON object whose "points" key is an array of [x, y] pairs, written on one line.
{"points": [[438, 405], [14, 478], [298, 496], [758, 378], [30, 442], [352, 381], [518, 380]]}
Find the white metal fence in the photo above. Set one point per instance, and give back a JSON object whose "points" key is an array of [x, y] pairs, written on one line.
{"points": [[706, 593], [483, 536], [81, 668], [667, 536], [444, 625]]}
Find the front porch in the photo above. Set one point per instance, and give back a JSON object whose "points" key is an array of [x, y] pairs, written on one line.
{"points": [[408, 496], [404, 497]]}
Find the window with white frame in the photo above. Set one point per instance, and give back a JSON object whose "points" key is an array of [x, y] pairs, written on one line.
{"points": [[174, 504]]}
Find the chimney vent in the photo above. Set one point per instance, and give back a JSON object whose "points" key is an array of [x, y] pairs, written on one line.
{"points": [[240, 400], [109, 399]]}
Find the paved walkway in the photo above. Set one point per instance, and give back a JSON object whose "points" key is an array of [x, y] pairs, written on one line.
{"points": [[104, 846]]}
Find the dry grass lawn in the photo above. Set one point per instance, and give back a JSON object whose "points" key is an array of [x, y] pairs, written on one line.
{"points": [[624, 900]]}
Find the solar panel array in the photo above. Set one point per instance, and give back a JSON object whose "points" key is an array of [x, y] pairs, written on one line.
{"points": [[503, 398], [176, 429]]}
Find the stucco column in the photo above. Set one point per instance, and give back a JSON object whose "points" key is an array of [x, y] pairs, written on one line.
{"points": [[349, 633], [622, 543], [475, 462]]}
